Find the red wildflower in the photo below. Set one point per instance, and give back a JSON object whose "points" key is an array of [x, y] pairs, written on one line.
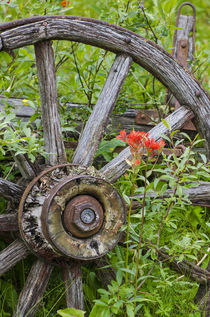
{"points": [[138, 162], [122, 136], [140, 141], [64, 3]]}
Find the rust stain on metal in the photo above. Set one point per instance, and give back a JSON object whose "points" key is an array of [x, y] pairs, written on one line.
{"points": [[147, 117], [182, 52], [83, 216]]}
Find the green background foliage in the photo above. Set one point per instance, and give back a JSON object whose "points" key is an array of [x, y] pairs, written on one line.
{"points": [[81, 72]]}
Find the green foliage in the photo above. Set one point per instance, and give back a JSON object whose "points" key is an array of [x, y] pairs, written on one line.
{"points": [[17, 137], [107, 147], [170, 222], [71, 312]]}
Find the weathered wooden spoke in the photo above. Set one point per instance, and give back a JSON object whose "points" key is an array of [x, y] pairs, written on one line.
{"points": [[24, 166], [70, 213], [10, 191], [94, 129], [9, 222], [117, 167], [33, 290], [49, 102], [72, 276], [198, 195], [15, 252]]}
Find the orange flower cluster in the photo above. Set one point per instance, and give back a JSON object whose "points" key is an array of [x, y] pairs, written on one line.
{"points": [[140, 141], [64, 3]]}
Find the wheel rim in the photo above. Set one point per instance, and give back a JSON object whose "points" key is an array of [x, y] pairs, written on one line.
{"points": [[129, 47]]}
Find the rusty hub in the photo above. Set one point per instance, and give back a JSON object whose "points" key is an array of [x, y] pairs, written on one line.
{"points": [[83, 216], [70, 212]]}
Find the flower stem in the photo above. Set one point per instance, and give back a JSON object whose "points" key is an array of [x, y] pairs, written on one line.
{"points": [[128, 224], [141, 235]]}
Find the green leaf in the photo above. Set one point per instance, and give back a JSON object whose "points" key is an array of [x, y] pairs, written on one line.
{"points": [[130, 310], [166, 124], [71, 312], [204, 159], [99, 311], [126, 198], [108, 146]]}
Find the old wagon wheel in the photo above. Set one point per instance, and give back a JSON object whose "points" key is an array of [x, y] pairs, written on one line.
{"points": [[71, 213]]}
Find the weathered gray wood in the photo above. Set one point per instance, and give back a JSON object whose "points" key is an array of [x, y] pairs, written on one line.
{"points": [[199, 195], [119, 121], [104, 271], [183, 49], [9, 222], [18, 107], [33, 290], [183, 36], [144, 52], [193, 271], [23, 165], [49, 101], [202, 298], [96, 125], [15, 252], [72, 276], [10, 191], [115, 168]]}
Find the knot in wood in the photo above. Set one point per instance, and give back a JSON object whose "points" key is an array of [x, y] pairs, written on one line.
{"points": [[197, 93]]}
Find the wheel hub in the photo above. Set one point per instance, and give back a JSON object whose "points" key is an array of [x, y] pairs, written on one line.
{"points": [[70, 212], [83, 216]]}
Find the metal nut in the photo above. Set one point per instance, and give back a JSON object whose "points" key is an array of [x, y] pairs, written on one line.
{"points": [[83, 216]]}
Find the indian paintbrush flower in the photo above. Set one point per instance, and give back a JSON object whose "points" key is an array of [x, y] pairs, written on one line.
{"points": [[140, 143]]}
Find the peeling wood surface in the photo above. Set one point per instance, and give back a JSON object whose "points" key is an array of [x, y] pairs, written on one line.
{"points": [[199, 195], [15, 252], [49, 102], [9, 222], [10, 190], [115, 168], [72, 276], [153, 58], [97, 122], [33, 290]]}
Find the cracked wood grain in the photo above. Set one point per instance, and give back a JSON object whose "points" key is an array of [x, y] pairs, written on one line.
{"points": [[96, 125], [54, 145]]}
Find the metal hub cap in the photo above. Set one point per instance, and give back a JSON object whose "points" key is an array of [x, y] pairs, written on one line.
{"points": [[63, 215]]}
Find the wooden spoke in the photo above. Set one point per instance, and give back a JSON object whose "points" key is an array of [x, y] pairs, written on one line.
{"points": [[94, 129], [105, 274], [25, 168], [199, 195], [15, 252], [33, 290], [72, 276], [10, 190], [115, 168], [9, 222], [49, 101]]}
